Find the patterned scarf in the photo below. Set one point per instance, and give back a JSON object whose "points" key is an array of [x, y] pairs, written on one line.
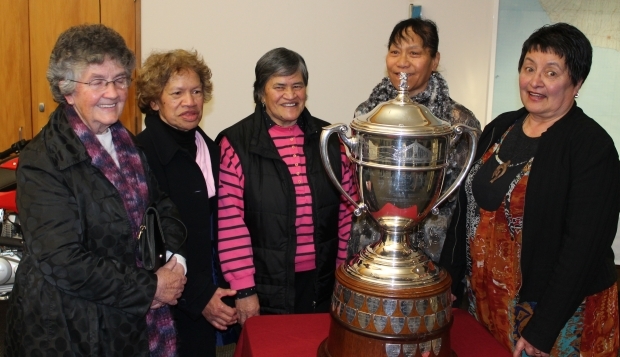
{"points": [[132, 187], [435, 97]]}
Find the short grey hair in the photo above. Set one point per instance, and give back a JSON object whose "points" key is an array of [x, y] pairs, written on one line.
{"points": [[277, 62], [80, 46]]}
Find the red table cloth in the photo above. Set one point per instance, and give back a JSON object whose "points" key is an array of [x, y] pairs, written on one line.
{"points": [[300, 336]]}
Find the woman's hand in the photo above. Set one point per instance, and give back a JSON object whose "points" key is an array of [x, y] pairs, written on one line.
{"points": [[247, 307], [530, 350], [219, 314], [156, 305], [170, 283]]}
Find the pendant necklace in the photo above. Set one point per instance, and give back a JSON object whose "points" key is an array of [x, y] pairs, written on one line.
{"points": [[503, 166]]}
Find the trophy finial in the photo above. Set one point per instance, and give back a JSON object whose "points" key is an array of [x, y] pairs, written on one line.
{"points": [[403, 86], [403, 93]]}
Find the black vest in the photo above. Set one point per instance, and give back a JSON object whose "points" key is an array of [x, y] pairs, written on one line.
{"points": [[270, 209]]}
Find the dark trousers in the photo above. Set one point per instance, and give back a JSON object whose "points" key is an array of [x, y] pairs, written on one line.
{"points": [[195, 337], [305, 296]]}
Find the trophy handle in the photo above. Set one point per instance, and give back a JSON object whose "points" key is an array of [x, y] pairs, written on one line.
{"points": [[350, 143], [473, 144]]}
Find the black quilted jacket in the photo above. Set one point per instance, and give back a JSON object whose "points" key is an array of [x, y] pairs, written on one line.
{"points": [[78, 290]]}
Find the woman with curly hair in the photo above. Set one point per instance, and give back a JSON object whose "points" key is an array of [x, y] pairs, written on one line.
{"points": [[172, 88]]}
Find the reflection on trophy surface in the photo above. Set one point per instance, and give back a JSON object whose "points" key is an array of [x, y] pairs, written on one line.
{"points": [[389, 299], [398, 193]]}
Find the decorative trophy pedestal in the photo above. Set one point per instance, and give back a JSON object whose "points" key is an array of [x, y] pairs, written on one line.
{"points": [[392, 300], [381, 321]]}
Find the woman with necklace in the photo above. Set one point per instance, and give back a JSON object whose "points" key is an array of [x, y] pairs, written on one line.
{"points": [[538, 212]]}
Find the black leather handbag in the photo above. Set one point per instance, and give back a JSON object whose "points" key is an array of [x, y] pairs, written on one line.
{"points": [[151, 240]]}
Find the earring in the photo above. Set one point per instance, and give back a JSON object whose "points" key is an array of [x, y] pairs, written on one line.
{"points": [[577, 95]]}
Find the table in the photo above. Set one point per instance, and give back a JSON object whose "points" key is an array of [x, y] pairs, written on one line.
{"points": [[300, 336]]}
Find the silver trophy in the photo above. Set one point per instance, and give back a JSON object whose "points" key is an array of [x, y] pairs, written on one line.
{"points": [[401, 298]]}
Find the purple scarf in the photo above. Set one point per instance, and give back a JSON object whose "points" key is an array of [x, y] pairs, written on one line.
{"points": [[132, 187]]}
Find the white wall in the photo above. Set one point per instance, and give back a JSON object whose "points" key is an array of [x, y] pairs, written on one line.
{"points": [[343, 43], [467, 34]]}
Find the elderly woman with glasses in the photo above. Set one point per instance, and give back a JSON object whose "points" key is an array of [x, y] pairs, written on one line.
{"points": [[283, 226], [83, 187]]}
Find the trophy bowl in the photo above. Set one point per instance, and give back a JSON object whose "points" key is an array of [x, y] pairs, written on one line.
{"points": [[390, 299]]}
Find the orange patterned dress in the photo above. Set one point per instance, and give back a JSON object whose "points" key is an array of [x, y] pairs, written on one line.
{"points": [[494, 279]]}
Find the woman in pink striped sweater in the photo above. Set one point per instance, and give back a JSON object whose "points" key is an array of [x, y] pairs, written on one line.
{"points": [[283, 226]]}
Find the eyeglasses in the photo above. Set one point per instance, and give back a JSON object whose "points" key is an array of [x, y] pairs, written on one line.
{"points": [[100, 85]]}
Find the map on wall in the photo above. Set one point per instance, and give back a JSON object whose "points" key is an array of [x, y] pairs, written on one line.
{"points": [[599, 20]]}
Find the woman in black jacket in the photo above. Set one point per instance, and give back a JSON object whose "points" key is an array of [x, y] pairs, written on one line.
{"points": [[82, 189], [538, 213], [172, 88]]}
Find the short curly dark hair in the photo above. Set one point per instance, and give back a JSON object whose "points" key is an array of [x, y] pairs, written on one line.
{"points": [[80, 46], [160, 66], [567, 42]]}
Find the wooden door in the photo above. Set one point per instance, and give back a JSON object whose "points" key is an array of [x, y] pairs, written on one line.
{"points": [[123, 16], [28, 32], [48, 19], [14, 73]]}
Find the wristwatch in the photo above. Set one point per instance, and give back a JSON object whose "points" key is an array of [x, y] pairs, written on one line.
{"points": [[243, 293]]}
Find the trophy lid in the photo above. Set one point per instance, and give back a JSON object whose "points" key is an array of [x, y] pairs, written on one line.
{"points": [[401, 116]]}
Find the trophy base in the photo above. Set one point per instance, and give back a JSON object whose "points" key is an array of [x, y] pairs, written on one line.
{"points": [[323, 352], [374, 319]]}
